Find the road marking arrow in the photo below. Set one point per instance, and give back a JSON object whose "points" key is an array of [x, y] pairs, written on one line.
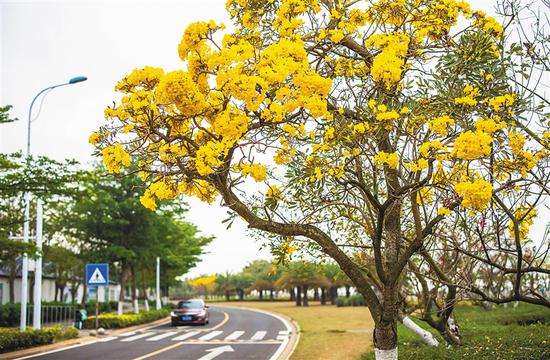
{"points": [[215, 352]]}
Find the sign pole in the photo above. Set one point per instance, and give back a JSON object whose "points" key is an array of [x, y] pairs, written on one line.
{"points": [[96, 307], [37, 310]]}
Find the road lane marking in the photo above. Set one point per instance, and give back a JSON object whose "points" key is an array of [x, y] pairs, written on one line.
{"points": [[135, 337], [225, 319], [235, 335], [159, 351], [259, 335], [186, 335], [162, 336], [217, 351], [109, 338], [284, 332], [233, 342], [210, 335], [128, 333]]}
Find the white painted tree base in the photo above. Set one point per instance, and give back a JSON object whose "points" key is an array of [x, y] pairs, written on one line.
{"points": [[385, 354], [146, 303], [136, 307], [120, 308], [426, 336]]}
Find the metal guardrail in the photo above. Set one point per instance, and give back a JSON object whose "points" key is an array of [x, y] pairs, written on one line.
{"points": [[53, 315]]}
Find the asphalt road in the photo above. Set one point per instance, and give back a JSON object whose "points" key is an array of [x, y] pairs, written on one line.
{"points": [[233, 334]]}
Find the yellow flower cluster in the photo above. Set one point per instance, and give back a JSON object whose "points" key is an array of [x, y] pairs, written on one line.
{"points": [[439, 124], [114, 156], [194, 37], [429, 146], [256, 171], [524, 216], [489, 126], [95, 138], [487, 23], [178, 88], [468, 99], [475, 194], [146, 78], [504, 100], [387, 66], [274, 193], [391, 159], [472, 145]]}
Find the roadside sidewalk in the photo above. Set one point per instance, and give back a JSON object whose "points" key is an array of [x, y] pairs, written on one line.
{"points": [[84, 338]]}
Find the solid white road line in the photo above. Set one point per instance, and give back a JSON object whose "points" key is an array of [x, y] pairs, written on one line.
{"points": [[186, 335], [284, 332], [235, 335], [211, 335], [162, 336], [109, 338], [259, 335], [135, 337], [128, 333]]}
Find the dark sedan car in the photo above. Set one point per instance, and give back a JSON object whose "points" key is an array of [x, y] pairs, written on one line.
{"points": [[193, 311]]}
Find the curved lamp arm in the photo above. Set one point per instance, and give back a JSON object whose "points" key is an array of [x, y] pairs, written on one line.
{"points": [[49, 88]]}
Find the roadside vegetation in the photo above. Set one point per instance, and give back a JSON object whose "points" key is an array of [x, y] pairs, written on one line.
{"points": [[113, 321], [503, 333], [13, 339]]}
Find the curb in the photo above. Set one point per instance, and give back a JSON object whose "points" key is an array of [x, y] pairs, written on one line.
{"points": [[289, 322], [85, 340]]}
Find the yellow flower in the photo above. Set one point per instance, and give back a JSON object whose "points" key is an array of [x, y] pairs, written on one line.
{"points": [[524, 216], [391, 159], [475, 194], [114, 156], [439, 124], [472, 146], [95, 138], [443, 211]]}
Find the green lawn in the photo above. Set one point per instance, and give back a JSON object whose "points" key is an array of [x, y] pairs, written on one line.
{"points": [[504, 333]]}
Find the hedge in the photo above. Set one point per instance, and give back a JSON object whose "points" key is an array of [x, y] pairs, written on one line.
{"points": [[354, 300], [112, 321], [14, 339]]}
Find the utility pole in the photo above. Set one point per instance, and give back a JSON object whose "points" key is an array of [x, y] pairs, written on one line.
{"points": [[158, 283], [37, 310]]}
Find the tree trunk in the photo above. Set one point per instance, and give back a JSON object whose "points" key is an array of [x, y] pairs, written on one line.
{"points": [[385, 340], [292, 294], [347, 291], [333, 294], [122, 283], [241, 294], [298, 296], [271, 295], [227, 295], [144, 290], [305, 300], [84, 293], [134, 289], [323, 296], [316, 294], [261, 295]]}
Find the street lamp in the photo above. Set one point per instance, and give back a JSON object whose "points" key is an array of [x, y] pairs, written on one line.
{"points": [[25, 265]]}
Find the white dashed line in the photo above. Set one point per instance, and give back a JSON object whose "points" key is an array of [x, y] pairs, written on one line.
{"points": [[235, 335], [186, 336], [211, 335]]}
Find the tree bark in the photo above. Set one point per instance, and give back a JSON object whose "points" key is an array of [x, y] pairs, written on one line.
{"points": [[271, 295], [292, 294], [323, 296], [298, 296], [348, 294], [261, 295], [305, 299], [316, 294], [333, 294], [84, 293], [227, 298]]}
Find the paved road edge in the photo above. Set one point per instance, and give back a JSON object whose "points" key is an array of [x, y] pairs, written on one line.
{"points": [[78, 341], [290, 324]]}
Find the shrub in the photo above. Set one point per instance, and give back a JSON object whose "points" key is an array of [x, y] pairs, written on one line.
{"points": [[112, 321], [354, 300], [9, 315], [13, 339]]}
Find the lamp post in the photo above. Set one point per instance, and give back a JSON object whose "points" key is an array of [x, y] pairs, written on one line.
{"points": [[25, 265]]}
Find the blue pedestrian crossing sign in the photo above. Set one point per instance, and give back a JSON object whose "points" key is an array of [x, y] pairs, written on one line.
{"points": [[97, 274]]}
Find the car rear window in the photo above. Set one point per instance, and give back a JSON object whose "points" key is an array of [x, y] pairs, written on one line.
{"points": [[190, 304]]}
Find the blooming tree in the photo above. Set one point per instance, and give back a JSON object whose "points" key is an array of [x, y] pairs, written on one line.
{"points": [[365, 124]]}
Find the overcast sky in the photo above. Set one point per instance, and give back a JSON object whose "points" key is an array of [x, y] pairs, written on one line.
{"points": [[45, 43]]}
